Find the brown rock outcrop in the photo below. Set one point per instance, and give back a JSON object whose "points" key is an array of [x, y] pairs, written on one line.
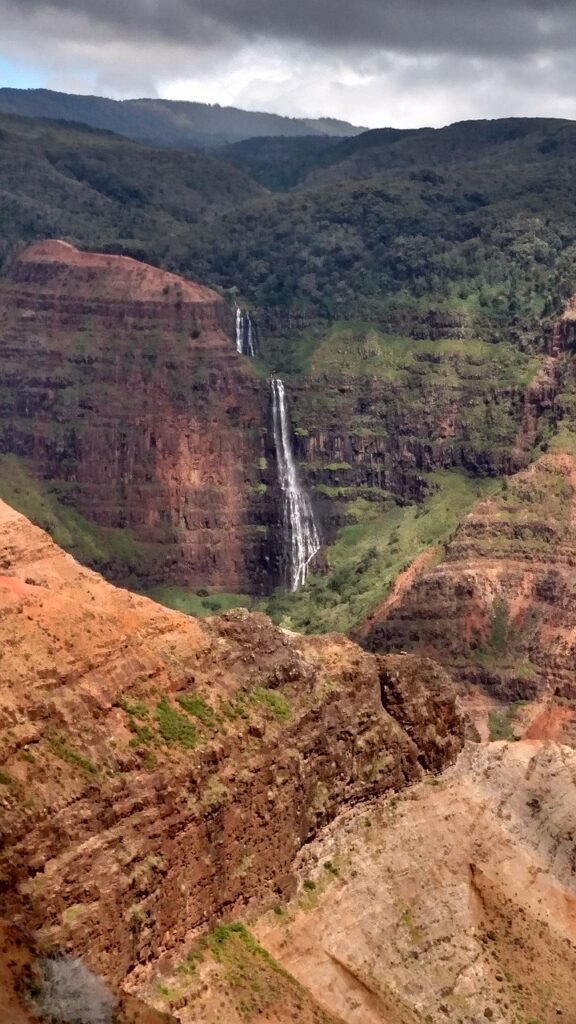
{"points": [[499, 608], [159, 773]]}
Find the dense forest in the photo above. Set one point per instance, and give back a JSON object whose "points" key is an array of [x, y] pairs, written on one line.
{"points": [[480, 216]]}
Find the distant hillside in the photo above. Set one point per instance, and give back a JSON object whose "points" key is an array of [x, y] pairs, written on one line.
{"points": [[284, 164], [166, 122], [98, 189]]}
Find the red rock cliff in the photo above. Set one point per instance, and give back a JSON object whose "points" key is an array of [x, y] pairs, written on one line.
{"points": [[499, 607], [121, 385]]}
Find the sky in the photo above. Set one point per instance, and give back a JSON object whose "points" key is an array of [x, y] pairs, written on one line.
{"points": [[400, 63]]}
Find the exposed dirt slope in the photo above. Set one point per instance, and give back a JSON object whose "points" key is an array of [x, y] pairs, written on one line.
{"points": [[453, 902]]}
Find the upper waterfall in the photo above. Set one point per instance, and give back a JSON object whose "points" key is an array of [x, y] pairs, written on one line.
{"points": [[245, 338], [301, 532]]}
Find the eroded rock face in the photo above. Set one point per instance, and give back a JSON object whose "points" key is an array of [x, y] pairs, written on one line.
{"points": [[498, 608], [454, 902], [159, 773], [122, 387]]}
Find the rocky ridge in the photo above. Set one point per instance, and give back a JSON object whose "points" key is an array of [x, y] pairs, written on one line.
{"points": [[454, 902], [496, 607], [145, 756]]}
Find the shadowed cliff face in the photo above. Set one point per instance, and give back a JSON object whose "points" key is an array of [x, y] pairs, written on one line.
{"points": [[498, 608], [121, 387], [158, 773]]}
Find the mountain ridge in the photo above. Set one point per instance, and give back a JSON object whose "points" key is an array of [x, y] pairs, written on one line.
{"points": [[176, 123]]}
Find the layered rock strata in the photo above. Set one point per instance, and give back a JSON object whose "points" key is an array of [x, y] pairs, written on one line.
{"points": [[497, 607], [121, 388], [159, 774]]}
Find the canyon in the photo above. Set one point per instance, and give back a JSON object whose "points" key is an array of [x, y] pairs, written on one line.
{"points": [[229, 821], [361, 809]]}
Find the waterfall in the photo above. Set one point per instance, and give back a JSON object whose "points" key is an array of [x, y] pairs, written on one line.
{"points": [[239, 330], [250, 338], [299, 525], [245, 344]]}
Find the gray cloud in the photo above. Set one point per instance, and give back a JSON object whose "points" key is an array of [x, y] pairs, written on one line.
{"points": [[375, 62], [492, 27]]}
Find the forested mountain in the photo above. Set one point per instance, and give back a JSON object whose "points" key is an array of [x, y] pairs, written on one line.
{"points": [[97, 188], [480, 214], [166, 122]]}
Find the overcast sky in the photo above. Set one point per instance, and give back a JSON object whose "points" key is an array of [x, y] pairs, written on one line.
{"points": [[374, 62]]}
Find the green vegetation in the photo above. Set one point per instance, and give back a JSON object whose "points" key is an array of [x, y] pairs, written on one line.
{"points": [[215, 793], [500, 725], [198, 708], [501, 721], [135, 709], [499, 626], [251, 978], [273, 701], [477, 217], [59, 746], [415, 932], [179, 124], [98, 547], [492, 238], [175, 727], [67, 181], [198, 605], [219, 939], [5, 778], [367, 557], [361, 350]]}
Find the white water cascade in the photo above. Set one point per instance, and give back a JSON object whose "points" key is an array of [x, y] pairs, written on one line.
{"points": [[299, 524], [250, 338], [244, 334], [239, 330]]}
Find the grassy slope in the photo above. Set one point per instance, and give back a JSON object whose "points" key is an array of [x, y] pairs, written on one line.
{"points": [[95, 546], [360, 349], [367, 557], [199, 605]]}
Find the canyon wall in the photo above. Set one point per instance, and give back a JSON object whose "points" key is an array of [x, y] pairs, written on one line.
{"points": [[125, 403], [121, 389], [497, 605], [159, 774]]}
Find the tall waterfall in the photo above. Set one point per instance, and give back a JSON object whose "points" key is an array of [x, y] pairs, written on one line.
{"points": [[299, 524], [250, 338], [239, 330], [245, 343]]}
